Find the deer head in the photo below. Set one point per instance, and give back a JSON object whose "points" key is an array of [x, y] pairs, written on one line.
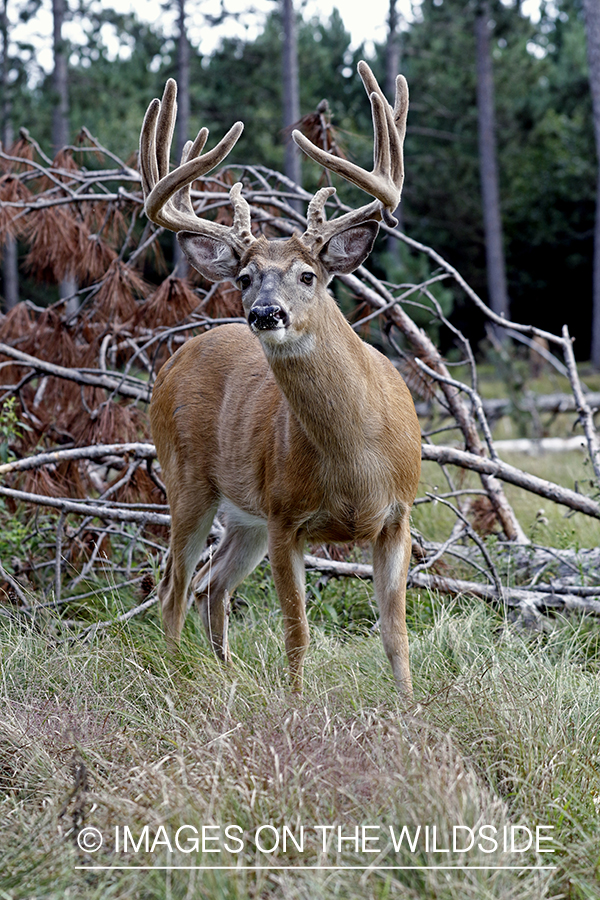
{"points": [[221, 252]]}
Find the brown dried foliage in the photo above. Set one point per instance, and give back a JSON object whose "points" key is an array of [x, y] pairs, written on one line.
{"points": [[172, 302], [317, 127], [121, 287], [482, 515], [12, 190], [56, 241]]}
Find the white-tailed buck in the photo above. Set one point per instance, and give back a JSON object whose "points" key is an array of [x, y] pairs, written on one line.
{"points": [[291, 425]]}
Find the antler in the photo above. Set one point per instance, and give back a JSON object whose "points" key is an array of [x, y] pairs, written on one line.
{"points": [[168, 195], [385, 180]]}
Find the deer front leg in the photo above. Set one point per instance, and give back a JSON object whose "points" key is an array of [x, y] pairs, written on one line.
{"points": [[391, 557], [287, 564]]}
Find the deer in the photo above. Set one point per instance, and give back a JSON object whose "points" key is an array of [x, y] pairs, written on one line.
{"points": [[289, 425]]}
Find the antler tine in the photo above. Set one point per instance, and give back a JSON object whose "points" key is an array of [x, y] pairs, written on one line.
{"points": [[165, 127], [385, 181], [147, 156], [396, 119], [167, 195]]}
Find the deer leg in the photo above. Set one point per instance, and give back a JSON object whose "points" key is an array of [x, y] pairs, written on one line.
{"points": [[391, 557], [190, 524], [240, 550], [287, 563]]}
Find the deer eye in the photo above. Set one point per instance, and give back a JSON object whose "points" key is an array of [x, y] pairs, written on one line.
{"points": [[307, 277], [244, 281]]}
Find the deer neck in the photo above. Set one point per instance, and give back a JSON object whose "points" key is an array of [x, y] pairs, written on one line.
{"points": [[326, 385]]}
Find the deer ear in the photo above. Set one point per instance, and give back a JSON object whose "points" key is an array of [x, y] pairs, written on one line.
{"points": [[211, 257], [345, 251]]}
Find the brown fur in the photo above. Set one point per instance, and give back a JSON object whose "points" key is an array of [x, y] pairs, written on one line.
{"points": [[318, 445]]}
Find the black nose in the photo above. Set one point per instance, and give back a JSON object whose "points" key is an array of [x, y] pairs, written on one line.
{"points": [[265, 318]]}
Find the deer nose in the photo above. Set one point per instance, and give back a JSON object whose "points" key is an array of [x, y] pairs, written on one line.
{"points": [[266, 318]]}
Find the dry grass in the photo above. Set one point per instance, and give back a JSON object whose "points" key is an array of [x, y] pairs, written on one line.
{"points": [[504, 731]]}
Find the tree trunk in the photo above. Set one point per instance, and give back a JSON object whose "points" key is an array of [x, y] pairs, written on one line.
{"points": [[392, 69], [291, 97], [181, 266], [67, 289], [10, 269], [592, 27], [490, 195], [60, 111]]}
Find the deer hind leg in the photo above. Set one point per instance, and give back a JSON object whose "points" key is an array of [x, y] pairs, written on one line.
{"points": [[239, 551], [391, 557], [287, 563], [190, 524]]}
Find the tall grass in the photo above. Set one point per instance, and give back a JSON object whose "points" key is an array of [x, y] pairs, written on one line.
{"points": [[504, 731]]}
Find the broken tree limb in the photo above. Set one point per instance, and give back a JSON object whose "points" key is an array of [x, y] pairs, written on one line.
{"points": [[98, 451], [505, 472], [502, 406], [433, 452], [88, 508], [586, 416], [127, 386], [542, 597]]}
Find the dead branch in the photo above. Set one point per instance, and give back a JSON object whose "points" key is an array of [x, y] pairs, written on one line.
{"points": [[98, 451], [583, 409], [88, 508], [126, 386], [543, 598], [547, 403], [506, 472]]}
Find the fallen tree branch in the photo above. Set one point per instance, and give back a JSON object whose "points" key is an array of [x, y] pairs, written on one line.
{"points": [[96, 451], [586, 416], [506, 472], [542, 597], [124, 385], [502, 406], [89, 508]]}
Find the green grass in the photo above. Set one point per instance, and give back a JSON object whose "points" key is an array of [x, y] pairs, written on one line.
{"points": [[543, 521], [504, 731]]}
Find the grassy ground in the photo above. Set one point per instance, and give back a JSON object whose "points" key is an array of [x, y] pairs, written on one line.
{"points": [[503, 733]]}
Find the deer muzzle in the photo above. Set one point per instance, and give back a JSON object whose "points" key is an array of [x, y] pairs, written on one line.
{"points": [[267, 317]]}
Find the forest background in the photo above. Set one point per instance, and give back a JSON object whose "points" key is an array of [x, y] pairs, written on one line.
{"points": [[544, 125]]}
